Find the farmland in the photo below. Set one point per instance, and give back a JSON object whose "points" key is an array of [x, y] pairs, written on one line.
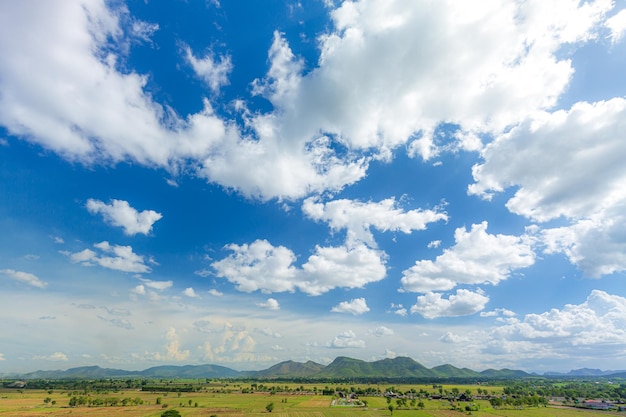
{"points": [[251, 398]]}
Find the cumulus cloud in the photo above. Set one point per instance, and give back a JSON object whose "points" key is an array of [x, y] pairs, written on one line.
{"points": [[121, 258], [342, 267], [258, 266], [361, 95], [215, 293], [567, 165], [262, 266], [120, 213], [212, 71], [347, 339], [25, 277], [463, 303], [477, 257], [358, 217], [270, 304], [450, 337], [2, 358], [356, 306], [190, 292], [173, 351], [592, 329]]}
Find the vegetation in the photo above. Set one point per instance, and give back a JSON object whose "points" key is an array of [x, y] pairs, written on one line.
{"points": [[531, 397]]}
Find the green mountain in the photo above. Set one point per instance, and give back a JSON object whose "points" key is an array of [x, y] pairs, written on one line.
{"points": [[341, 368], [503, 373], [289, 369], [190, 371], [402, 367], [449, 371], [83, 372]]}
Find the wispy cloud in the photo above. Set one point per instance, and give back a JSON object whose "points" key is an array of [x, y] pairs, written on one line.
{"points": [[24, 277]]}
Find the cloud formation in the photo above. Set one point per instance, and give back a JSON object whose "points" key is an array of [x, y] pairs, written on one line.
{"points": [[25, 277], [121, 258], [358, 218], [360, 95], [463, 303], [477, 257], [262, 266], [356, 306], [120, 213]]}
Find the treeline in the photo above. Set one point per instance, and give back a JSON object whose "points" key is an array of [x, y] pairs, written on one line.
{"points": [[570, 391], [88, 401]]}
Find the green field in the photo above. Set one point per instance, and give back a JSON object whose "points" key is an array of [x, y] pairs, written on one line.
{"points": [[290, 400]]}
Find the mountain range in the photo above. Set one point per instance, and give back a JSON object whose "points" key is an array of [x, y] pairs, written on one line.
{"points": [[341, 368]]}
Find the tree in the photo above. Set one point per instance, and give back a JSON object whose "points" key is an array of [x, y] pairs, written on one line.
{"points": [[391, 408], [269, 407], [170, 413]]}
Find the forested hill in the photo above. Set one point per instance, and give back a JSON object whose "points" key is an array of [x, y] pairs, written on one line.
{"points": [[341, 368]]}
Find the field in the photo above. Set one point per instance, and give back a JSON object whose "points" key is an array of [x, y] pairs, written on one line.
{"points": [[227, 400]]}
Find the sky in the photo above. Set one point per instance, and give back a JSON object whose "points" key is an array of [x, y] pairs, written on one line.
{"points": [[244, 183]]}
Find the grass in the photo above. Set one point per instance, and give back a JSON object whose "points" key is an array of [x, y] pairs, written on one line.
{"points": [[22, 403]]}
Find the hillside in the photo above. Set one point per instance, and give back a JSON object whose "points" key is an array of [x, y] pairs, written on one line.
{"points": [[341, 368]]}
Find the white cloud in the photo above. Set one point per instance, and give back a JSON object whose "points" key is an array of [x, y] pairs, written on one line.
{"points": [[213, 72], [347, 339], [120, 213], [358, 217], [157, 285], [4, 142], [123, 259], [2, 358], [190, 292], [24, 277], [173, 351], [498, 312], [262, 266], [463, 303], [203, 272], [567, 165], [215, 293], [450, 337], [592, 329], [477, 257], [434, 244], [365, 94], [270, 304], [139, 289], [57, 239], [356, 306], [143, 30], [269, 332], [342, 267], [56, 356], [617, 25], [398, 309], [381, 331], [258, 266]]}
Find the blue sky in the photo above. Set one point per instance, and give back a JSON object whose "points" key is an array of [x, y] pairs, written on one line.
{"points": [[206, 182]]}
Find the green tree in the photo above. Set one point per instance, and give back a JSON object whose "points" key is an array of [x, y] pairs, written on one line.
{"points": [[269, 407], [391, 408], [170, 413]]}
